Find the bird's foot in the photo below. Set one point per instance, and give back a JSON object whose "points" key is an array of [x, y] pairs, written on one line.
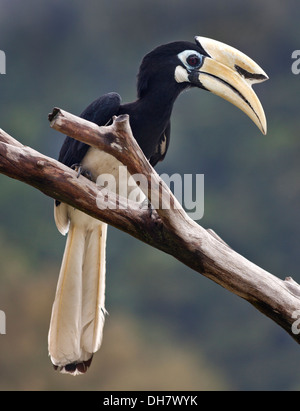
{"points": [[82, 171], [146, 205]]}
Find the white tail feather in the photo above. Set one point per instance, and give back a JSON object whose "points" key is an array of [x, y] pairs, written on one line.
{"points": [[78, 311]]}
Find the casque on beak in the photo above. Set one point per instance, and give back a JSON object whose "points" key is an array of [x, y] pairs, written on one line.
{"points": [[230, 74]]}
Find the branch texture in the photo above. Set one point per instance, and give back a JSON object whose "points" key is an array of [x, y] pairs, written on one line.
{"points": [[169, 230]]}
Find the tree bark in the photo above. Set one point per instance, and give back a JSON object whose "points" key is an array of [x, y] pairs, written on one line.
{"points": [[169, 230]]}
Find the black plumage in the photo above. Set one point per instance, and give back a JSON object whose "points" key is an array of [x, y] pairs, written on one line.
{"points": [[78, 311], [150, 114]]}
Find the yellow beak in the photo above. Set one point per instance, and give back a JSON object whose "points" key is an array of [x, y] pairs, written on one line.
{"points": [[230, 74]]}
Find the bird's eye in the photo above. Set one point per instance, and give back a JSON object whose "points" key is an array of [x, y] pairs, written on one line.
{"points": [[193, 60]]}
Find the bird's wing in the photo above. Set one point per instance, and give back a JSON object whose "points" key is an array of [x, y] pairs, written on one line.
{"points": [[72, 152], [162, 146], [99, 112]]}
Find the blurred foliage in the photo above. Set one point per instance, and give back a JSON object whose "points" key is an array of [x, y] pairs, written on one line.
{"points": [[168, 328]]}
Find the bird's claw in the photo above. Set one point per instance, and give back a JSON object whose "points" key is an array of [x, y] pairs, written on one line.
{"points": [[146, 205], [82, 171]]}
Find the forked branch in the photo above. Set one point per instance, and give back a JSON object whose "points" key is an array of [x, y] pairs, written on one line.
{"points": [[169, 230]]}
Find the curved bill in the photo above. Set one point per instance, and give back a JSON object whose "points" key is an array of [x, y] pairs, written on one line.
{"points": [[230, 74]]}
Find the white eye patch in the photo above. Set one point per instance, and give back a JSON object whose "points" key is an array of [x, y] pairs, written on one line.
{"points": [[191, 59]]}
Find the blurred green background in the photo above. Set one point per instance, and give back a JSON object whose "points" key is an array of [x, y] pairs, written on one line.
{"points": [[168, 328]]}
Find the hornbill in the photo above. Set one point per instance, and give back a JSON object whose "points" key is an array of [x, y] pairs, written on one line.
{"points": [[78, 311]]}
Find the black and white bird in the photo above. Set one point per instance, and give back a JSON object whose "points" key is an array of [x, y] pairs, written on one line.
{"points": [[79, 308]]}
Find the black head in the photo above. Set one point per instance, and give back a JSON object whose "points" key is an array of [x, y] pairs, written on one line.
{"points": [[207, 64], [159, 65]]}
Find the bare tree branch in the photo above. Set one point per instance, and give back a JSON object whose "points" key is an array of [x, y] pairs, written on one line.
{"points": [[169, 230]]}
